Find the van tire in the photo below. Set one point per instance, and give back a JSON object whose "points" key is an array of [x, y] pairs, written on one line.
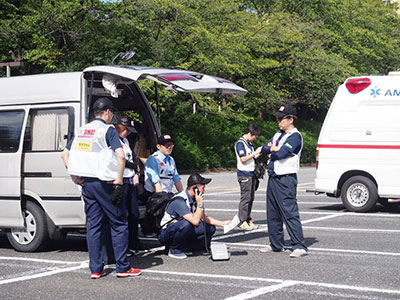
{"points": [[359, 194], [35, 236]]}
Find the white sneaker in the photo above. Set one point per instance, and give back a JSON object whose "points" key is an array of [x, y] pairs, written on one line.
{"points": [[298, 252], [176, 253], [268, 249]]}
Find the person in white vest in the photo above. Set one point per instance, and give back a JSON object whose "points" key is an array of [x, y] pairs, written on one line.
{"points": [[185, 226], [283, 151], [96, 161], [246, 163], [126, 126]]}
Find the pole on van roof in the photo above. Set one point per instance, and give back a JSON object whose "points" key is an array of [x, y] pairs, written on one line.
{"points": [[90, 95], [158, 105]]}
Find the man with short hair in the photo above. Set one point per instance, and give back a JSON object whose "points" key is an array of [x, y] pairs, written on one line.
{"points": [[284, 151], [95, 160], [246, 164], [185, 227], [160, 169]]}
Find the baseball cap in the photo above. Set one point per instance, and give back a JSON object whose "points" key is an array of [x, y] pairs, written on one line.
{"points": [[286, 110], [164, 138], [128, 123], [197, 179], [103, 104]]}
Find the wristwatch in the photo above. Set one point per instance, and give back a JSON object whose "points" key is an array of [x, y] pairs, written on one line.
{"points": [[200, 205]]}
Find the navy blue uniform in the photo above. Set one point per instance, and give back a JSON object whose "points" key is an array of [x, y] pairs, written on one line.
{"points": [[183, 235], [97, 196], [281, 197]]}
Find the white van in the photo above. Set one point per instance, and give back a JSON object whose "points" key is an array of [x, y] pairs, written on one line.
{"points": [[39, 114], [358, 152]]}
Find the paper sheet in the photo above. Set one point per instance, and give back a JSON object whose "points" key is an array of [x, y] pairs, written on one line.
{"points": [[233, 224]]}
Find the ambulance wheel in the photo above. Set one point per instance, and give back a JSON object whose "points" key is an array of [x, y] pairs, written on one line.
{"points": [[359, 194], [34, 236]]}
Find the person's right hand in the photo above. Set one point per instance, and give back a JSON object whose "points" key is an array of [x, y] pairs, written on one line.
{"points": [[199, 197]]}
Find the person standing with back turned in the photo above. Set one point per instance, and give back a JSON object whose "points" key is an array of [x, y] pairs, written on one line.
{"points": [[96, 161], [246, 164], [284, 151]]}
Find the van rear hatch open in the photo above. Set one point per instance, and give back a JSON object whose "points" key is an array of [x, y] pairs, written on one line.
{"points": [[174, 79]]}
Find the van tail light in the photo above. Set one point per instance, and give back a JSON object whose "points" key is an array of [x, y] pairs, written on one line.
{"points": [[316, 159], [356, 85]]}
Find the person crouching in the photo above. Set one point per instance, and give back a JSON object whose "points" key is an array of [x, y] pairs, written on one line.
{"points": [[184, 221]]}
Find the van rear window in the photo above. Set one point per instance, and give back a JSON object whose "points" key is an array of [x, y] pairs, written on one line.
{"points": [[11, 122]]}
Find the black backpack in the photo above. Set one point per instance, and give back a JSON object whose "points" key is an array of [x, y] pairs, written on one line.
{"points": [[155, 209]]}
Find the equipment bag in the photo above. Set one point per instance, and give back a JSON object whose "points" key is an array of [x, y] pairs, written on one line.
{"points": [[155, 209]]}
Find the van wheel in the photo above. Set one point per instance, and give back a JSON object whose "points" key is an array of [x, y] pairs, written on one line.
{"points": [[359, 194], [35, 236]]}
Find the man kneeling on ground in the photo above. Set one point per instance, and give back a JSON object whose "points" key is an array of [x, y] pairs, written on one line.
{"points": [[184, 220]]}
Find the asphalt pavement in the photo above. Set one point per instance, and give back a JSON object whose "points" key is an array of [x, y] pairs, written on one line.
{"points": [[351, 256]]}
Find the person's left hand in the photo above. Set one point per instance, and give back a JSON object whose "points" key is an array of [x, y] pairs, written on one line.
{"points": [[226, 222]]}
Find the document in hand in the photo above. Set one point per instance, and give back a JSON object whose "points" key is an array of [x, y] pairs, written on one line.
{"points": [[233, 224]]}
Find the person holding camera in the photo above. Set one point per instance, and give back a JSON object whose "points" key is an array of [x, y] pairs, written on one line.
{"points": [[185, 226], [95, 160], [246, 163]]}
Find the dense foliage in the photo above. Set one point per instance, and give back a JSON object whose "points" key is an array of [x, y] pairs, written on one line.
{"points": [[295, 51]]}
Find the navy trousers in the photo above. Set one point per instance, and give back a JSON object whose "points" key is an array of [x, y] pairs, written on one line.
{"points": [[97, 197], [282, 208], [183, 235], [133, 216]]}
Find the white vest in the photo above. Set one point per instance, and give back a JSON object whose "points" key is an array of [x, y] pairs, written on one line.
{"points": [[249, 165], [90, 155], [166, 175], [128, 156], [290, 164], [167, 218]]}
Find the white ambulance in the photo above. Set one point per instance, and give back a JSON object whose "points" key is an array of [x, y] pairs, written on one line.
{"points": [[358, 152], [39, 114]]}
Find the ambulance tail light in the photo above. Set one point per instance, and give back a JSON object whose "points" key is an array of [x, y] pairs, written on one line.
{"points": [[356, 85], [316, 159]]}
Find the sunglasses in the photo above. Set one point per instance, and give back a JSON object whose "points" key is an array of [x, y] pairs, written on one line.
{"points": [[169, 145]]}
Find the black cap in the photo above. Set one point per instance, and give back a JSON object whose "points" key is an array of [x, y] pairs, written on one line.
{"points": [[197, 179], [286, 110], [165, 138], [103, 104], [128, 123]]}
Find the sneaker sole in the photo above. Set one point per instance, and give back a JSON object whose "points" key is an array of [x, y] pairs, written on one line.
{"points": [[119, 275], [98, 276], [177, 257], [298, 256]]}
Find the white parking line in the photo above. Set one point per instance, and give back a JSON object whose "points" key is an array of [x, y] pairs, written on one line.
{"points": [[38, 260], [278, 281], [259, 246], [263, 202], [44, 274], [369, 215], [352, 229], [262, 291]]}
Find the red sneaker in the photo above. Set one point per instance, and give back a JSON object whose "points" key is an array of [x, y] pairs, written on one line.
{"points": [[131, 272], [98, 275]]}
